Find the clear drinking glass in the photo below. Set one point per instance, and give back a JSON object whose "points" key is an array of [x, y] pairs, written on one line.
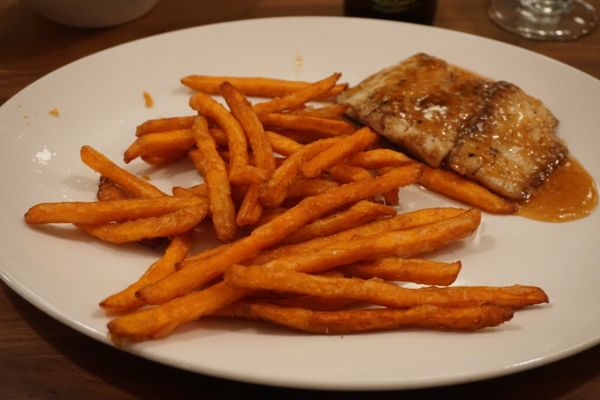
{"points": [[544, 19]]}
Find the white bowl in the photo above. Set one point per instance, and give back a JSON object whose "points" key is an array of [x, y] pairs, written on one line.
{"points": [[91, 13]]}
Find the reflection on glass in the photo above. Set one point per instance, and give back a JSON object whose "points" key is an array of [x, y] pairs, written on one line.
{"points": [[544, 19]]}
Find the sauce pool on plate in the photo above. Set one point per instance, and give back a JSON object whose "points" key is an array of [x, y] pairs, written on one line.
{"points": [[569, 194]]}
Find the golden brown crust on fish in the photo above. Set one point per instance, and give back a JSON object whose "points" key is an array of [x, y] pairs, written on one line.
{"points": [[491, 132]]}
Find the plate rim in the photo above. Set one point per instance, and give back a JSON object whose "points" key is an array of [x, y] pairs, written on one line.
{"points": [[55, 313]]}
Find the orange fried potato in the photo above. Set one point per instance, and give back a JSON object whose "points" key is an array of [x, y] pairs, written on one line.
{"points": [[132, 184], [98, 212], [358, 214], [195, 274], [354, 321], [325, 126], [175, 223], [252, 86], [378, 292], [349, 145], [215, 174], [426, 272], [125, 300], [276, 189], [456, 187], [299, 97], [165, 124]]}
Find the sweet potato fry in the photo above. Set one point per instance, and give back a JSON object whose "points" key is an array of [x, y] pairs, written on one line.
{"points": [[156, 322], [242, 110], [194, 274], [276, 189], [456, 187], [251, 208], [215, 174], [252, 86], [164, 159], [200, 190], [396, 223], [108, 190], [175, 223], [298, 98], [345, 173], [404, 243], [309, 187], [240, 172], [306, 302], [99, 212], [426, 272], [159, 143], [334, 154], [325, 126], [333, 111], [378, 292], [379, 158], [125, 300], [358, 214], [133, 185], [354, 321], [282, 144], [165, 124]]}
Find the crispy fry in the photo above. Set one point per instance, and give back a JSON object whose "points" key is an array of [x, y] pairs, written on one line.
{"points": [[242, 110], [215, 174], [98, 212], [379, 158], [282, 144], [307, 302], [175, 223], [156, 322], [426, 272], [345, 173], [195, 274], [164, 159], [309, 187], [333, 111], [164, 124], [160, 320], [325, 126], [378, 292], [358, 214], [133, 185], [276, 189], [125, 300], [298, 98], [353, 321], [240, 172], [456, 187], [251, 86], [334, 154], [399, 222], [159, 143], [200, 190], [251, 208], [403, 243], [108, 190]]}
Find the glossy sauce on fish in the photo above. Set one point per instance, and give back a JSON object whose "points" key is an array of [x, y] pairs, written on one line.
{"points": [[569, 194]]}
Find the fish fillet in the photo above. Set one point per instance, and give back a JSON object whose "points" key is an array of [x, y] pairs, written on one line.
{"points": [[491, 132]]}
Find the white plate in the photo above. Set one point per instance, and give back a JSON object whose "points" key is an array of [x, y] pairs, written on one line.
{"points": [[100, 101]]}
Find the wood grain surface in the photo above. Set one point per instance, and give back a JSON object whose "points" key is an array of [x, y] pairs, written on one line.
{"points": [[42, 359]]}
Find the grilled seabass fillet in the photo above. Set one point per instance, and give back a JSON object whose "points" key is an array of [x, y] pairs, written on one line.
{"points": [[491, 132]]}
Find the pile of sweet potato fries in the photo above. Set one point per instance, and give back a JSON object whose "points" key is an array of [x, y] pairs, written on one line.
{"points": [[303, 202]]}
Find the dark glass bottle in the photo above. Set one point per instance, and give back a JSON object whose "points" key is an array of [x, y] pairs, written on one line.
{"points": [[419, 11]]}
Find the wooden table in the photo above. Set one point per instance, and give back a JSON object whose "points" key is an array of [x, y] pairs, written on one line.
{"points": [[42, 359]]}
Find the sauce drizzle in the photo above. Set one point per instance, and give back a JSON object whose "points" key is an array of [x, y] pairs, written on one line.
{"points": [[569, 194]]}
